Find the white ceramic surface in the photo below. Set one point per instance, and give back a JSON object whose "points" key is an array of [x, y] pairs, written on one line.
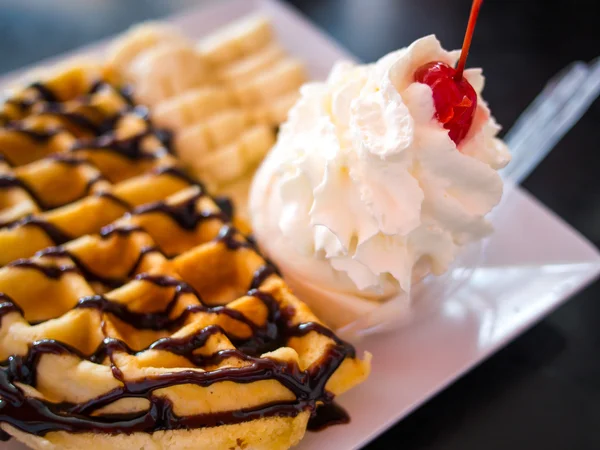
{"points": [[532, 264]]}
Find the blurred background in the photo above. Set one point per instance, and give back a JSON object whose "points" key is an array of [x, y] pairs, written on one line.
{"points": [[543, 391]]}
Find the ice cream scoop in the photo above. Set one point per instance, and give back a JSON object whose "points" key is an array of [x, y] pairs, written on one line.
{"points": [[366, 191]]}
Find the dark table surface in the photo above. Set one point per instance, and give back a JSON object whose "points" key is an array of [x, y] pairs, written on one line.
{"points": [[543, 390]]}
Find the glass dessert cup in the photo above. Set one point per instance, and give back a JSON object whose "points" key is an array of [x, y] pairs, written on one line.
{"points": [[355, 317]]}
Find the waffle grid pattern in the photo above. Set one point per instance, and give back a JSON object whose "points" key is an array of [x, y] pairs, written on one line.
{"points": [[126, 291]]}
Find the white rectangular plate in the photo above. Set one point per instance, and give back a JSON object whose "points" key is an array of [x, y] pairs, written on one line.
{"points": [[533, 263]]}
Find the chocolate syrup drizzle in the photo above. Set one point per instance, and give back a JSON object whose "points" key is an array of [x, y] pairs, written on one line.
{"points": [[39, 136], [71, 118], [130, 148], [43, 92], [10, 181], [84, 270], [185, 214], [105, 139], [54, 233], [327, 415], [53, 272], [54, 107], [39, 417]]}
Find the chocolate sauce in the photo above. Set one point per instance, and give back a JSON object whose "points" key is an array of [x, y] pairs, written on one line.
{"points": [[7, 306], [185, 346], [252, 240], [113, 198], [165, 137], [22, 104], [126, 93], [122, 230], [327, 415], [80, 120], [76, 119], [39, 417], [223, 203], [58, 236], [53, 272], [304, 328], [143, 252], [79, 266], [55, 234], [178, 172], [130, 148], [261, 275], [67, 159], [91, 182], [97, 86], [10, 181], [185, 214], [262, 336], [83, 269], [229, 236], [226, 205], [148, 321], [52, 106], [39, 136], [43, 92]]}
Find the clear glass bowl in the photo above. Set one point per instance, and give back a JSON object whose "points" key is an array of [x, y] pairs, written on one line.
{"points": [[428, 294]]}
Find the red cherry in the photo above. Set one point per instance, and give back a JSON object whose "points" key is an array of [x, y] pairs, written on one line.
{"points": [[454, 98]]}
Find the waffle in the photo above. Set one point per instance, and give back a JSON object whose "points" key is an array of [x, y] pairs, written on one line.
{"points": [[223, 96], [133, 312]]}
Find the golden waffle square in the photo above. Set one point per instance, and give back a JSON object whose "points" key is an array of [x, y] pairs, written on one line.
{"points": [[133, 313]]}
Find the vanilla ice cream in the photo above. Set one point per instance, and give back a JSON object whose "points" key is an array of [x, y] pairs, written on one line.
{"points": [[364, 191]]}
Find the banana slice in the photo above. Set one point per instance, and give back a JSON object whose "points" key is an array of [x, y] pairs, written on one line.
{"points": [[275, 111], [223, 98], [225, 164], [244, 70], [191, 107], [195, 143], [286, 76], [165, 71], [236, 40], [138, 39]]}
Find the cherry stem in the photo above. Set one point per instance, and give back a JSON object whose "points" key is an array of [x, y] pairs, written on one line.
{"points": [[460, 68]]}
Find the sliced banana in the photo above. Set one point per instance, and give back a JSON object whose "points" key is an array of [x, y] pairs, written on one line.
{"points": [[193, 106], [237, 40], [287, 75], [123, 51], [245, 69], [223, 97], [165, 71]]}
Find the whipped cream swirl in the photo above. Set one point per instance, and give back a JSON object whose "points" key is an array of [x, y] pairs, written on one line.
{"points": [[364, 190]]}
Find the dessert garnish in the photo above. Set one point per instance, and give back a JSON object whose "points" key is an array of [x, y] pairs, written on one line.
{"points": [[454, 97]]}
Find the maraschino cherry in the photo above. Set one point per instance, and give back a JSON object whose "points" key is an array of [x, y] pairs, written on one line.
{"points": [[454, 98]]}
